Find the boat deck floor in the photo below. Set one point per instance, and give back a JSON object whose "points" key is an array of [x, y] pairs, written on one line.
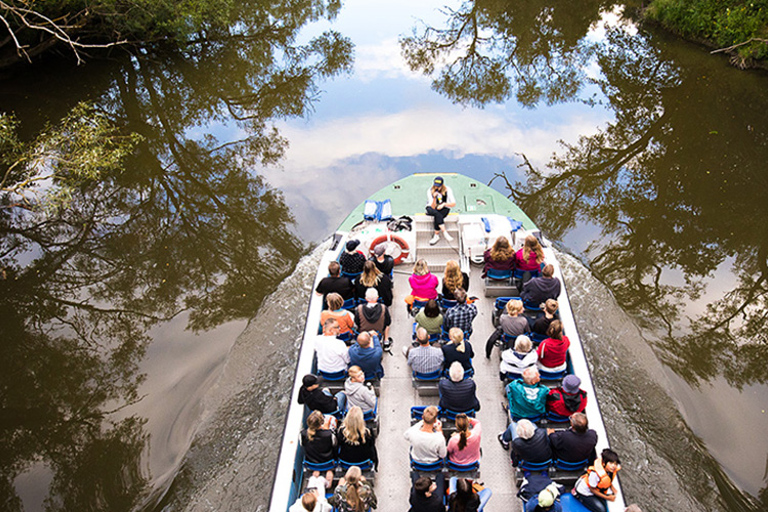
{"points": [[392, 482]]}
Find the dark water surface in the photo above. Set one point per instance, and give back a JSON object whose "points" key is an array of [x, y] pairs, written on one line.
{"points": [[130, 379]]}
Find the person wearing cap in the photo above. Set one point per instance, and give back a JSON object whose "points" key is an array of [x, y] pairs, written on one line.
{"points": [[383, 261], [315, 398], [352, 260], [576, 443], [440, 200], [545, 501], [567, 398]]}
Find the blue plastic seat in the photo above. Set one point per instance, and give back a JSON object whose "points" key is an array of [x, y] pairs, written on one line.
{"points": [[498, 275], [571, 466], [520, 274], [452, 466], [451, 415], [423, 466], [319, 466], [448, 303], [335, 376], [532, 419], [552, 375], [347, 336], [352, 276], [371, 415], [417, 411], [507, 339], [534, 466], [349, 304], [512, 376], [363, 465], [428, 377], [467, 373], [536, 337], [417, 305], [531, 306], [557, 418]]}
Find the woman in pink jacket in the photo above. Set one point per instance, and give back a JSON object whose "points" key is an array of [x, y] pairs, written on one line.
{"points": [[423, 282]]}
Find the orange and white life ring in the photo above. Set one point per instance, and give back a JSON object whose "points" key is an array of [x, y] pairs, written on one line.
{"points": [[404, 249]]}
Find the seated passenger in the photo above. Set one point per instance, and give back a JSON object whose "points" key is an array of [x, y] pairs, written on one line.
{"points": [[575, 444], [313, 500], [424, 358], [426, 495], [530, 443], [457, 393], [528, 397], [596, 486], [335, 310], [567, 398], [354, 493], [373, 278], [515, 360], [464, 444], [545, 501], [541, 324], [531, 256], [373, 316], [332, 353], [553, 350], [426, 438], [454, 278], [366, 354], [539, 289], [430, 318], [499, 257], [462, 314], [355, 441], [358, 392], [313, 397], [423, 282], [383, 261], [318, 439], [352, 260], [462, 496], [457, 350], [335, 283], [440, 200], [512, 323]]}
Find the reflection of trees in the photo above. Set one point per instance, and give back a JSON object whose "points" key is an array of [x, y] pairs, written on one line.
{"points": [[494, 49], [183, 225]]}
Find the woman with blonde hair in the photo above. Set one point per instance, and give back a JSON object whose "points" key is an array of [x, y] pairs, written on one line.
{"points": [[457, 350], [354, 493], [499, 257], [531, 256], [454, 278], [464, 444], [336, 310], [318, 439], [356, 442], [423, 282], [373, 278]]}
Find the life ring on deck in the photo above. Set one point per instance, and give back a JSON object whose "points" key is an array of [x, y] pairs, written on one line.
{"points": [[404, 249]]}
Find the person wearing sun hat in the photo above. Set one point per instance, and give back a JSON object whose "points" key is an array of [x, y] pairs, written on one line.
{"points": [[440, 200], [567, 398], [546, 501]]}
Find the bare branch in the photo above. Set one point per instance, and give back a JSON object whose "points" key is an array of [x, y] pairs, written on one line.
{"points": [[728, 49]]}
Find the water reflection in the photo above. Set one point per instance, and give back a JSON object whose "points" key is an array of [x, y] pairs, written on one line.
{"points": [[183, 226]]}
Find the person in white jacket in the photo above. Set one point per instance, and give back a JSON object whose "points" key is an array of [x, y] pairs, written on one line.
{"points": [[515, 360]]}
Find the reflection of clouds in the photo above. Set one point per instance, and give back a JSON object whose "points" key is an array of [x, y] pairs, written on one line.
{"points": [[383, 60]]}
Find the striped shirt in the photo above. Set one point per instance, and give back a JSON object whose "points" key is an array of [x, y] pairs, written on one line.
{"points": [[425, 359]]}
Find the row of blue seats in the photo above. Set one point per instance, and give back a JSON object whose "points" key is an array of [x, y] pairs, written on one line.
{"points": [[337, 463], [441, 336]]}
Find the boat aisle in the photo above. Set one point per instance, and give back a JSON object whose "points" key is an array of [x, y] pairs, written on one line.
{"points": [[398, 395]]}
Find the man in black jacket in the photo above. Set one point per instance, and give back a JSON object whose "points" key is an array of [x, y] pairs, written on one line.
{"points": [[577, 443], [318, 399]]}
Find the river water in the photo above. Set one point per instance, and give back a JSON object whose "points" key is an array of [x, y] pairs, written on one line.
{"points": [[147, 361]]}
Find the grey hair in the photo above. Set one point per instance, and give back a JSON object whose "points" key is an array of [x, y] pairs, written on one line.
{"points": [[523, 344], [529, 374], [525, 429], [371, 295], [456, 372]]}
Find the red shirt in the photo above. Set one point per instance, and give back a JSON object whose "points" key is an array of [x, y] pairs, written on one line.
{"points": [[552, 352]]}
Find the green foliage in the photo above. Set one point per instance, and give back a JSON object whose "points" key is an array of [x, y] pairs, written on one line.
{"points": [[723, 23]]}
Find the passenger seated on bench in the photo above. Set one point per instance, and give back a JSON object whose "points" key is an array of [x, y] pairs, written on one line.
{"points": [[351, 260], [515, 360], [458, 349], [499, 257], [426, 438], [545, 501], [463, 497], [512, 322], [366, 354], [567, 398], [462, 314], [426, 495], [425, 358], [313, 500], [332, 353], [318, 439], [596, 486], [539, 289], [373, 316], [531, 256], [553, 350], [454, 278], [358, 392], [355, 441], [440, 200], [423, 282], [430, 318], [464, 444], [575, 444], [354, 493], [335, 310], [373, 278], [335, 283], [529, 443], [313, 397], [541, 324], [383, 261], [457, 393], [527, 398]]}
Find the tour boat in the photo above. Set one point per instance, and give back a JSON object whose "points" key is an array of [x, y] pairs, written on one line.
{"points": [[480, 216]]}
